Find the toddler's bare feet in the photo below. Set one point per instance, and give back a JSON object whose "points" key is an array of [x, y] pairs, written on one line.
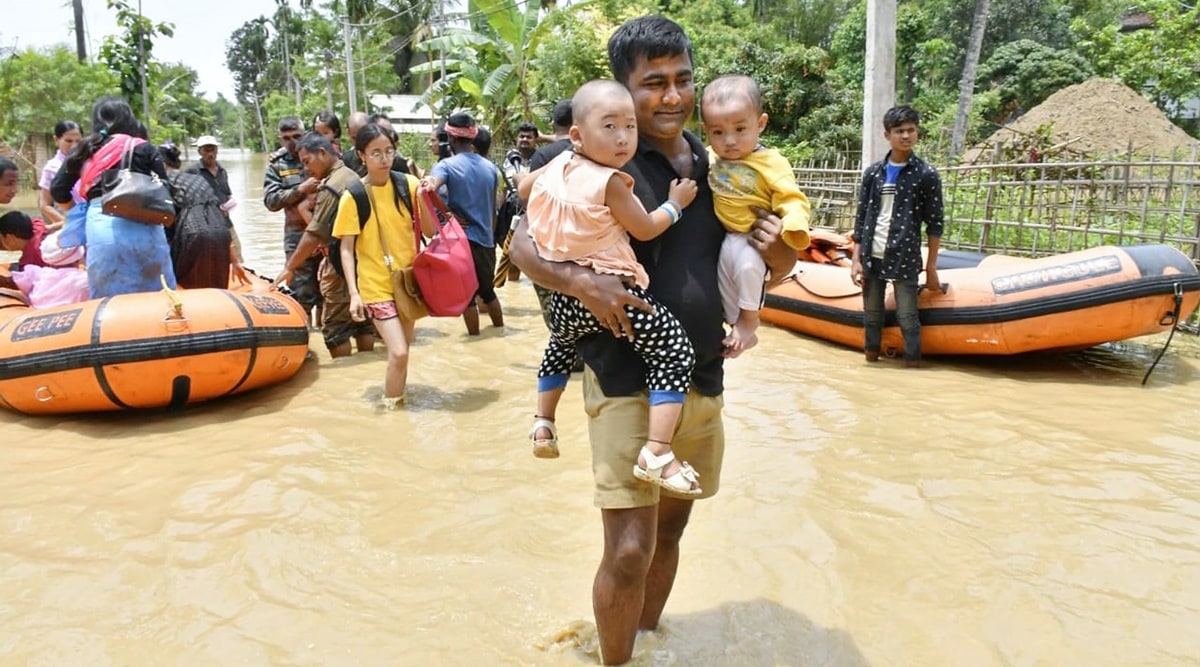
{"points": [[741, 338]]}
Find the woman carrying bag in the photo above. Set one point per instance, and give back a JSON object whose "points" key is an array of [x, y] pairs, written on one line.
{"points": [[123, 256], [382, 245], [201, 239]]}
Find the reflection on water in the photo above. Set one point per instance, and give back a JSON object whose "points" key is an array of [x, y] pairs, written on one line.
{"points": [[1043, 510]]}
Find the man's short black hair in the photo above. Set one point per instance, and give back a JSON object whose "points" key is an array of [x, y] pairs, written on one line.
{"points": [[527, 127], [461, 119], [647, 37], [290, 123], [483, 141], [561, 115], [897, 116], [313, 142], [16, 223], [7, 165]]}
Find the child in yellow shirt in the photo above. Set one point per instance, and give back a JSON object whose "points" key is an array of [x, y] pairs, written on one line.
{"points": [[745, 175]]}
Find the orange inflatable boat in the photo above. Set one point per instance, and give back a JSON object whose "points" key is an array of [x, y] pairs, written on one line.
{"points": [[150, 350], [1005, 305]]}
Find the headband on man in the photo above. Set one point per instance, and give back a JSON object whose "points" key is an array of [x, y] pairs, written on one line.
{"points": [[462, 132]]}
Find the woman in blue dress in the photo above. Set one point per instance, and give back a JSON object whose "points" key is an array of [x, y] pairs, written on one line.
{"points": [[123, 256]]}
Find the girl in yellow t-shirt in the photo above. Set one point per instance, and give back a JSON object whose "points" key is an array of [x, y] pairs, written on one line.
{"points": [[368, 278]]}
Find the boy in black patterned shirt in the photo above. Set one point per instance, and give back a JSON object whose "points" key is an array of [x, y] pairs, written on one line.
{"points": [[899, 194]]}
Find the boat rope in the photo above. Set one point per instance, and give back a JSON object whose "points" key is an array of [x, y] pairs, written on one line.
{"points": [[1173, 319], [176, 303]]}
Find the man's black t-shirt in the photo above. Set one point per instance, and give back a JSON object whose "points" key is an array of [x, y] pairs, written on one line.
{"points": [[682, 264], [542, 156]]}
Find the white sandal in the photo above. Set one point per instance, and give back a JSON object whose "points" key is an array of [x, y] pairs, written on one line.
{"points": [[685, 480], [544, 449]]}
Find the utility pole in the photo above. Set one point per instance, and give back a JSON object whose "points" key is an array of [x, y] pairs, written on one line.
{"points": [[879, 84], [328, 79], [80, 37], [142, 69], [349, 64]]}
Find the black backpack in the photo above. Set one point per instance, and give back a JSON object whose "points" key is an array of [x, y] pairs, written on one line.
{"points": [[363, 203], [509, 210]]}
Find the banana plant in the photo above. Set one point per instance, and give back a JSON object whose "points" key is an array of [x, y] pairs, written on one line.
{"points": [[487, 67]]}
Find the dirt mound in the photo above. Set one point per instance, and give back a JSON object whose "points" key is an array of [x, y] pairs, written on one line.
{"points": [[1096, 117]]}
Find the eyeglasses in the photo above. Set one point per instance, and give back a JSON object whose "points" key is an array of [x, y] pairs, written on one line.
{"points": [[380, 156]]}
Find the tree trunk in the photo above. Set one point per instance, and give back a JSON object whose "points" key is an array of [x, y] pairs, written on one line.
{"points": [[80, 36], [262, 128], [966, 88]]}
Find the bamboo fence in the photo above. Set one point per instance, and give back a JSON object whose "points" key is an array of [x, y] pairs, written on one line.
{"points": [[1034, 209]]}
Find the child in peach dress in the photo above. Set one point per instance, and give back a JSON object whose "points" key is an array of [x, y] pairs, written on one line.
{"points": [[582, 209]]}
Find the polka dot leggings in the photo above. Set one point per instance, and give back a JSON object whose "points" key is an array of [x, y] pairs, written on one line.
{"points": [[658, 338]]}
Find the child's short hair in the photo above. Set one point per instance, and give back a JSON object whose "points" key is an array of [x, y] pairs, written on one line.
{"points": [[897, 116], [7, 165], [732, 86], [16, 223], [589, 93]]}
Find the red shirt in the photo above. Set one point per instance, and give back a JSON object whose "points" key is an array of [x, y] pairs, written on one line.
{"points": [[32, 254]]}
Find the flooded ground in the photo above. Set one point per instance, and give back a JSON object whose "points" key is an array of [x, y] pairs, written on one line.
{"points": [[1006, 512]]}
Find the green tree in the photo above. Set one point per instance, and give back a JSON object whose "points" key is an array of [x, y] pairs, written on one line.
{"points": [[810, 22], [1024, 73], [490, 63], [246, 58], [966, 89], [1162, 61], [127, 53], [228, 122], [31, 91], [179, 110], [573, 54]]}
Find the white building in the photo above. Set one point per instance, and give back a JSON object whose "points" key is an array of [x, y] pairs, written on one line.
{"points": [[407, 113]]}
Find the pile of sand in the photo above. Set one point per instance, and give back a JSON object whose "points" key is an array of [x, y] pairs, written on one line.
{"points": [[1098, 117]]}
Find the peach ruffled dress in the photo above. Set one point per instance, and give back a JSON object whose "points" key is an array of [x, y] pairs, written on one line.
{"points": [[569, 222]]}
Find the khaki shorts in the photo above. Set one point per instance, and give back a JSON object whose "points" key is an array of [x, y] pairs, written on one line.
{"points": [[617, 428], [337, 326]]}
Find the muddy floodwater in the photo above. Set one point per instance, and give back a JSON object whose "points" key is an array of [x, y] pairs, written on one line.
{"points": [[998, 512]]}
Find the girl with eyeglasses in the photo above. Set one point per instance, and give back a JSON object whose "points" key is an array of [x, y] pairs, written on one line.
{"points": [[372, 250]]}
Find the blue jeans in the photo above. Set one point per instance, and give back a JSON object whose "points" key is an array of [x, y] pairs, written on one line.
{"points": [[906, 314]]}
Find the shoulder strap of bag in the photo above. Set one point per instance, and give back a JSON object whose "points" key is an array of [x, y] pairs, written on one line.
{"points": [[109, 155], [387, 256], [361, 202], [401, 187], [402, 194]]}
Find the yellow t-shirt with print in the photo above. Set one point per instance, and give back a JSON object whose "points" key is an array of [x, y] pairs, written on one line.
{"points": [[374, 279], [763, 179]]}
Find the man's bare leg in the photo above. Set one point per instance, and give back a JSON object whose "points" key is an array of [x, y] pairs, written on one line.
{"points": [[471, 319], [495, 312], [366, 342], [619, 590], [673, 514], [340, 350]]}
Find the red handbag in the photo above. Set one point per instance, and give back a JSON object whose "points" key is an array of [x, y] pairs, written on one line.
{"points": [[444, 268]]}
